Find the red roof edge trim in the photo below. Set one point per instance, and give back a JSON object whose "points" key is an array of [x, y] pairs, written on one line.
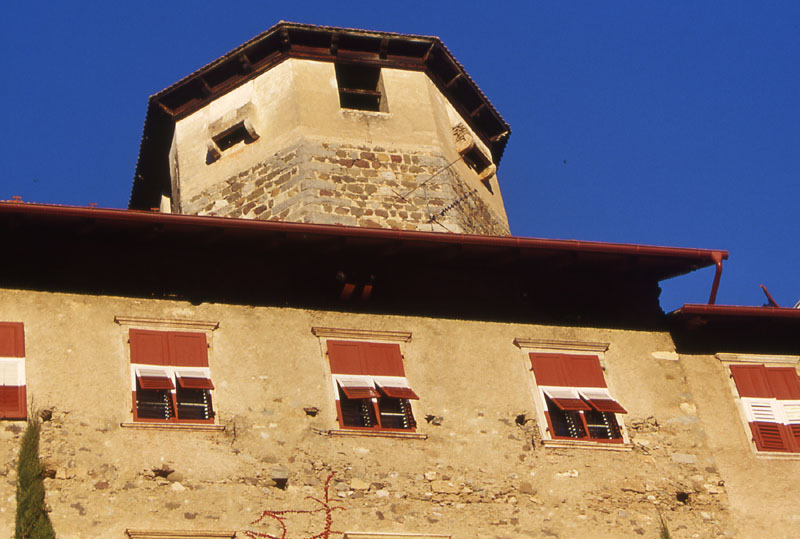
{"points": [[738, 310], [704, 257]]}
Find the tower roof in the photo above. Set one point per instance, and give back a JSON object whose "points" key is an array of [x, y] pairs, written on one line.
{"points": [[321, 43]]}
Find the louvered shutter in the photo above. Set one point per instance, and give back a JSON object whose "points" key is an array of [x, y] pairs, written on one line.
{"points": [[154, 379], [193, 381], [765, 417], [149, 347], [397, 388], [188, 349], [601, 400], [13, 395], [566, 399]]}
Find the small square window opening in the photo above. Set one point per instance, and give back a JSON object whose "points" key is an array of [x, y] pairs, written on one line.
{"points": [[360, 87]]}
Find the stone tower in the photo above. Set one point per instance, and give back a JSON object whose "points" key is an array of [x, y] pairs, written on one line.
{"points": [[330, 126]]}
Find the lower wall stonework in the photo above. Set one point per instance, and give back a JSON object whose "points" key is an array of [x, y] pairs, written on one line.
{"points": [[482, 471], [326, 183]]}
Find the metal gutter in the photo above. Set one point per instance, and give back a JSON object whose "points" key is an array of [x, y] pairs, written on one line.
{"points": [[704, 257], [738, 310]]}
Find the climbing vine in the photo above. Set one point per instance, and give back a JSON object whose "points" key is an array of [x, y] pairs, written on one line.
{"points": [[281, 517]]}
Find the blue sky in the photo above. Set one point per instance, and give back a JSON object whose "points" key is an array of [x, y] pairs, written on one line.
{"points": [[665, 123]]}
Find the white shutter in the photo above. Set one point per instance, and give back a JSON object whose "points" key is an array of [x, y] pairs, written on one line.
{"points": [[762, 410], [791, 412], [12, 372]]}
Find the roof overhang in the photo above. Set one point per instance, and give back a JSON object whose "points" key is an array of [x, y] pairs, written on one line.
{"points": [[710, 329], [322, 43], [134, 252]]}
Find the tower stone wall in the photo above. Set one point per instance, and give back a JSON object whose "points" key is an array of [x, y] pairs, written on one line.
{"points": [[304, 158]]}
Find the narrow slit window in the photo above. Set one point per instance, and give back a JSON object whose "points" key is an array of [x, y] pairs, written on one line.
{"points": [[232, 136], [360, 87]]}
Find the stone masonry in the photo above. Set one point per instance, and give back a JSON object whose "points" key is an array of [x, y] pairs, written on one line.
{"points": [[352, 185]]}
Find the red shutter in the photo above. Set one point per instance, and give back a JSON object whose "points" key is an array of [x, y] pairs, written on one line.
{"points": [[751, 381], [193, 382], [783, 382], [383, 359], [549, 369], [770, 436], [359, 392], [345, 357], [399, 392], [607, 405], [155, 382], [567, 399], [149, 347], [188, 349], [584, 371], [13, 402], [12, 339]]}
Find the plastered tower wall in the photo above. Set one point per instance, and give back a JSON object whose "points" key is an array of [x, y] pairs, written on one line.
{"points": [[316, 162], [479, 471]]}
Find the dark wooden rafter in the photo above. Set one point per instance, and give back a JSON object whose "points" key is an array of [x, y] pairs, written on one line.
{"points": [[245, 63], [429, 52], [477, 110], [205, 88], [455, 79], [334, 48], [284, 35], [383, 49]]}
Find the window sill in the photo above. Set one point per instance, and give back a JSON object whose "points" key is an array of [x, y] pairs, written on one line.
{"points": [[582, 444], [172, 426], [175, 534], [776, 455], [378, 434]]}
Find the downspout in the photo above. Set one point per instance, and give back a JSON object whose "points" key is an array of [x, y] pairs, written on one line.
{"points": [[716, 256]]}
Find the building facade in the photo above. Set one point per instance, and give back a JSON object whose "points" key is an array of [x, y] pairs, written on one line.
{"points": [[284, 337]]}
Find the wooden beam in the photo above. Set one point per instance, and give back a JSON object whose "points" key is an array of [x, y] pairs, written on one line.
{"points": [[454, 79], [334, 44], [477, 110]]}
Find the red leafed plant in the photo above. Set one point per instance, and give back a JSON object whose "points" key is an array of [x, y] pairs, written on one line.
{"points": [[282, 516]]}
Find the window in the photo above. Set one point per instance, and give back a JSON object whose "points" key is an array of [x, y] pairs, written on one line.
{"points": [[576, 401], [13, 398], [170, 378], [770, 398], [242, 131], [360, 87], [370, 386]]}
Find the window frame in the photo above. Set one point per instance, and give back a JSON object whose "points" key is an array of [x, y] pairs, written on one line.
{"points": [[173, 364], [585, 349], [344, 70], [749, 415], [377, 382]]}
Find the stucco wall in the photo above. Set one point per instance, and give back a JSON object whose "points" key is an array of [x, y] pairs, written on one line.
{"points": [[479, 473], [319, 149], [761, 486]]}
